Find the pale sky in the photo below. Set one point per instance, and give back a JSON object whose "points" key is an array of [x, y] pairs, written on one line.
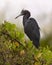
{"points": [[41, 10], [34, 6]]}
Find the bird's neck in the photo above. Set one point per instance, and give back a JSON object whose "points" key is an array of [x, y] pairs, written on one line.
{"points": [[25, 18]]}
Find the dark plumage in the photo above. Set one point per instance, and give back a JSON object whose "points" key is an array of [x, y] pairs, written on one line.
{"points": [[31, 27]]}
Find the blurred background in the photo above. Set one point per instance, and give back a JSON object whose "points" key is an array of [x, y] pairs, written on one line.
{"points": [[41, 10]]}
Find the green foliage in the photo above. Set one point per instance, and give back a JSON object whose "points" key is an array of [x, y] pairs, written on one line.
{"points": [[14, 50], [47, 41]]}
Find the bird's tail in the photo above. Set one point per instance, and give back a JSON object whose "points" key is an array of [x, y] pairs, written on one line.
{"points": [[37, 44]]}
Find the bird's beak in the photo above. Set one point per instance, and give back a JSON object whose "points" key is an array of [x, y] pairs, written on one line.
{"points": [[18, 16]]}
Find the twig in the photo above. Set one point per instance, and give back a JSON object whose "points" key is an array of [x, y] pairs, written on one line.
{"points": [[5, 33]]}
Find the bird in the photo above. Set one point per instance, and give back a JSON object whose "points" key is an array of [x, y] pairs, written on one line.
{"points": [[31, 27]]}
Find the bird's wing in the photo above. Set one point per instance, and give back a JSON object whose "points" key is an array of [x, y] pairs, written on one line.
{"points": [[35, 28], [31, 24], [32, 28], [32, 20]]}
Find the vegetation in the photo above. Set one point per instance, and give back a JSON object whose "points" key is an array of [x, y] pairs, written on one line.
{"points": [[14, 50]]}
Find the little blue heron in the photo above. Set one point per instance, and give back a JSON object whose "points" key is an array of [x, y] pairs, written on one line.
{"points": [[31, 27]]}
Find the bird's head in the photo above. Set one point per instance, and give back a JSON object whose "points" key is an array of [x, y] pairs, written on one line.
{"points": [[24, 13]]}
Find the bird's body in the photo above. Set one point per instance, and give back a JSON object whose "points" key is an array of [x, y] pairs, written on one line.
{"points": [[32, 31], [31, 28]]}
